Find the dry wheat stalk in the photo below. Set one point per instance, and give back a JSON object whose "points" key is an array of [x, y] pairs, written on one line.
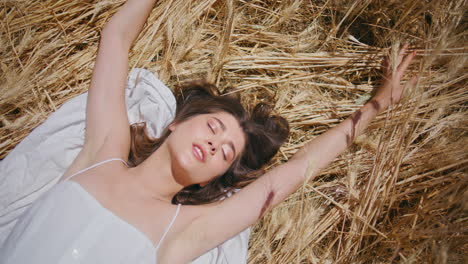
{"points": [[398, 195]]}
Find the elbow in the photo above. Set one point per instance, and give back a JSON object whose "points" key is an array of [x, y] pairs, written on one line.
{"points": [[111, 31], [113, 38], [112, 34], [306, 166], [299, 156]]}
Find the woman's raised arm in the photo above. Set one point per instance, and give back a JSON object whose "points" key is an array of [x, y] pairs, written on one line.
{"points": [[107, 126], [235, 214]]}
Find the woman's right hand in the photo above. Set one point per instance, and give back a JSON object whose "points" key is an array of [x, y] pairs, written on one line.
{"points": [[391, 90]]}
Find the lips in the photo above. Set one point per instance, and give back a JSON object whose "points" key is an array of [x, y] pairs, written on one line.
{"points": [[198, 152]]}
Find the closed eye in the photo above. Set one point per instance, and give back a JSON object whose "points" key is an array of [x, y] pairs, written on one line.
{"points": [[227, 153], [211, 128]]}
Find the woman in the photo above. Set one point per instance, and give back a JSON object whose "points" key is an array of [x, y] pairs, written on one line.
{"points": [[105, 212]]}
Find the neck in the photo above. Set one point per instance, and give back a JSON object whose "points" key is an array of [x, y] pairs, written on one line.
{"points": [[155, 175]]}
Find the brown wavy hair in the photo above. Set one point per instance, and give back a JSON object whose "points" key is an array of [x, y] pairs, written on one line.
{"points": [[265, 133]]}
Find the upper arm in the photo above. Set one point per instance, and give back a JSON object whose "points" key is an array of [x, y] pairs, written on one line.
{"points": [[107, 125], [218, 223], [228, 218]]}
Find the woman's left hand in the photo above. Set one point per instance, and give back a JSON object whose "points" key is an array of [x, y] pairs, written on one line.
{"points": [[391, 90]]}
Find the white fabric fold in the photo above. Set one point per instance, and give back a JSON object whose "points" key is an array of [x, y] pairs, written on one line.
{"points": [[37, 163]]}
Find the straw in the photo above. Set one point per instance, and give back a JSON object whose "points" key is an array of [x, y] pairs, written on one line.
{"points": [[397, 195]]}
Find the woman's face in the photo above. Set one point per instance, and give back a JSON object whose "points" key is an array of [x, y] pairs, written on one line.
{"points": [[204, 147]]}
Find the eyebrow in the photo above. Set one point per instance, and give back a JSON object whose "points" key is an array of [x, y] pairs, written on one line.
{"points": [[223, 127]]}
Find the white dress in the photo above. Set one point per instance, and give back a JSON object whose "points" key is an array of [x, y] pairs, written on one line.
{"points": [[68, 225], [35, 165]]}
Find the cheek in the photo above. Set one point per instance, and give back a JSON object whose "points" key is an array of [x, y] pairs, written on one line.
{"points": [[222, 166], [216, 168]]}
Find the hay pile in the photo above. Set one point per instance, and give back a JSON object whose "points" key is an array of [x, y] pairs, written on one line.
{"points": [[398, 195]]}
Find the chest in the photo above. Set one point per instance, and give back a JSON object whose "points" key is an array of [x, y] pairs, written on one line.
{"points": [[154, 220]]}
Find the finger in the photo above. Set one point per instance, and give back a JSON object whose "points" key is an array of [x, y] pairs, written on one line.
{"points": [[385, 65], [410, 84], [405, 63], [401, 53], [414, 80]]}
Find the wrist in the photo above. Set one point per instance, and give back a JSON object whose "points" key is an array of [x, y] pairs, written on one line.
{"points": [[379, 103], [374, 107]]}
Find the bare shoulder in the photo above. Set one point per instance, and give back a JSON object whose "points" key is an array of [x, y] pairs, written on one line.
{"points": [[88, 157], [184, 237]]}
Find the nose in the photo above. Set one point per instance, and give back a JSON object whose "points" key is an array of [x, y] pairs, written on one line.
{"points": [[212, 147]]}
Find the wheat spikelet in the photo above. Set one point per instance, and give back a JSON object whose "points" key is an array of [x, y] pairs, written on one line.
{"points": [[397, 195]]}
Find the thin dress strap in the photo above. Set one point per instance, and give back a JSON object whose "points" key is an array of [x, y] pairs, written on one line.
{"points": [[94, 166], [168, 227]]}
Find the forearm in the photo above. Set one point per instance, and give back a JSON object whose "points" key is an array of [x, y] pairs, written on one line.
{"points": [[278, 183], [321, 151], [128, 22], [285, 179]]}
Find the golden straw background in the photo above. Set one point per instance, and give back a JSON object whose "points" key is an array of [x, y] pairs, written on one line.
{"points": [[398, 195]]}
